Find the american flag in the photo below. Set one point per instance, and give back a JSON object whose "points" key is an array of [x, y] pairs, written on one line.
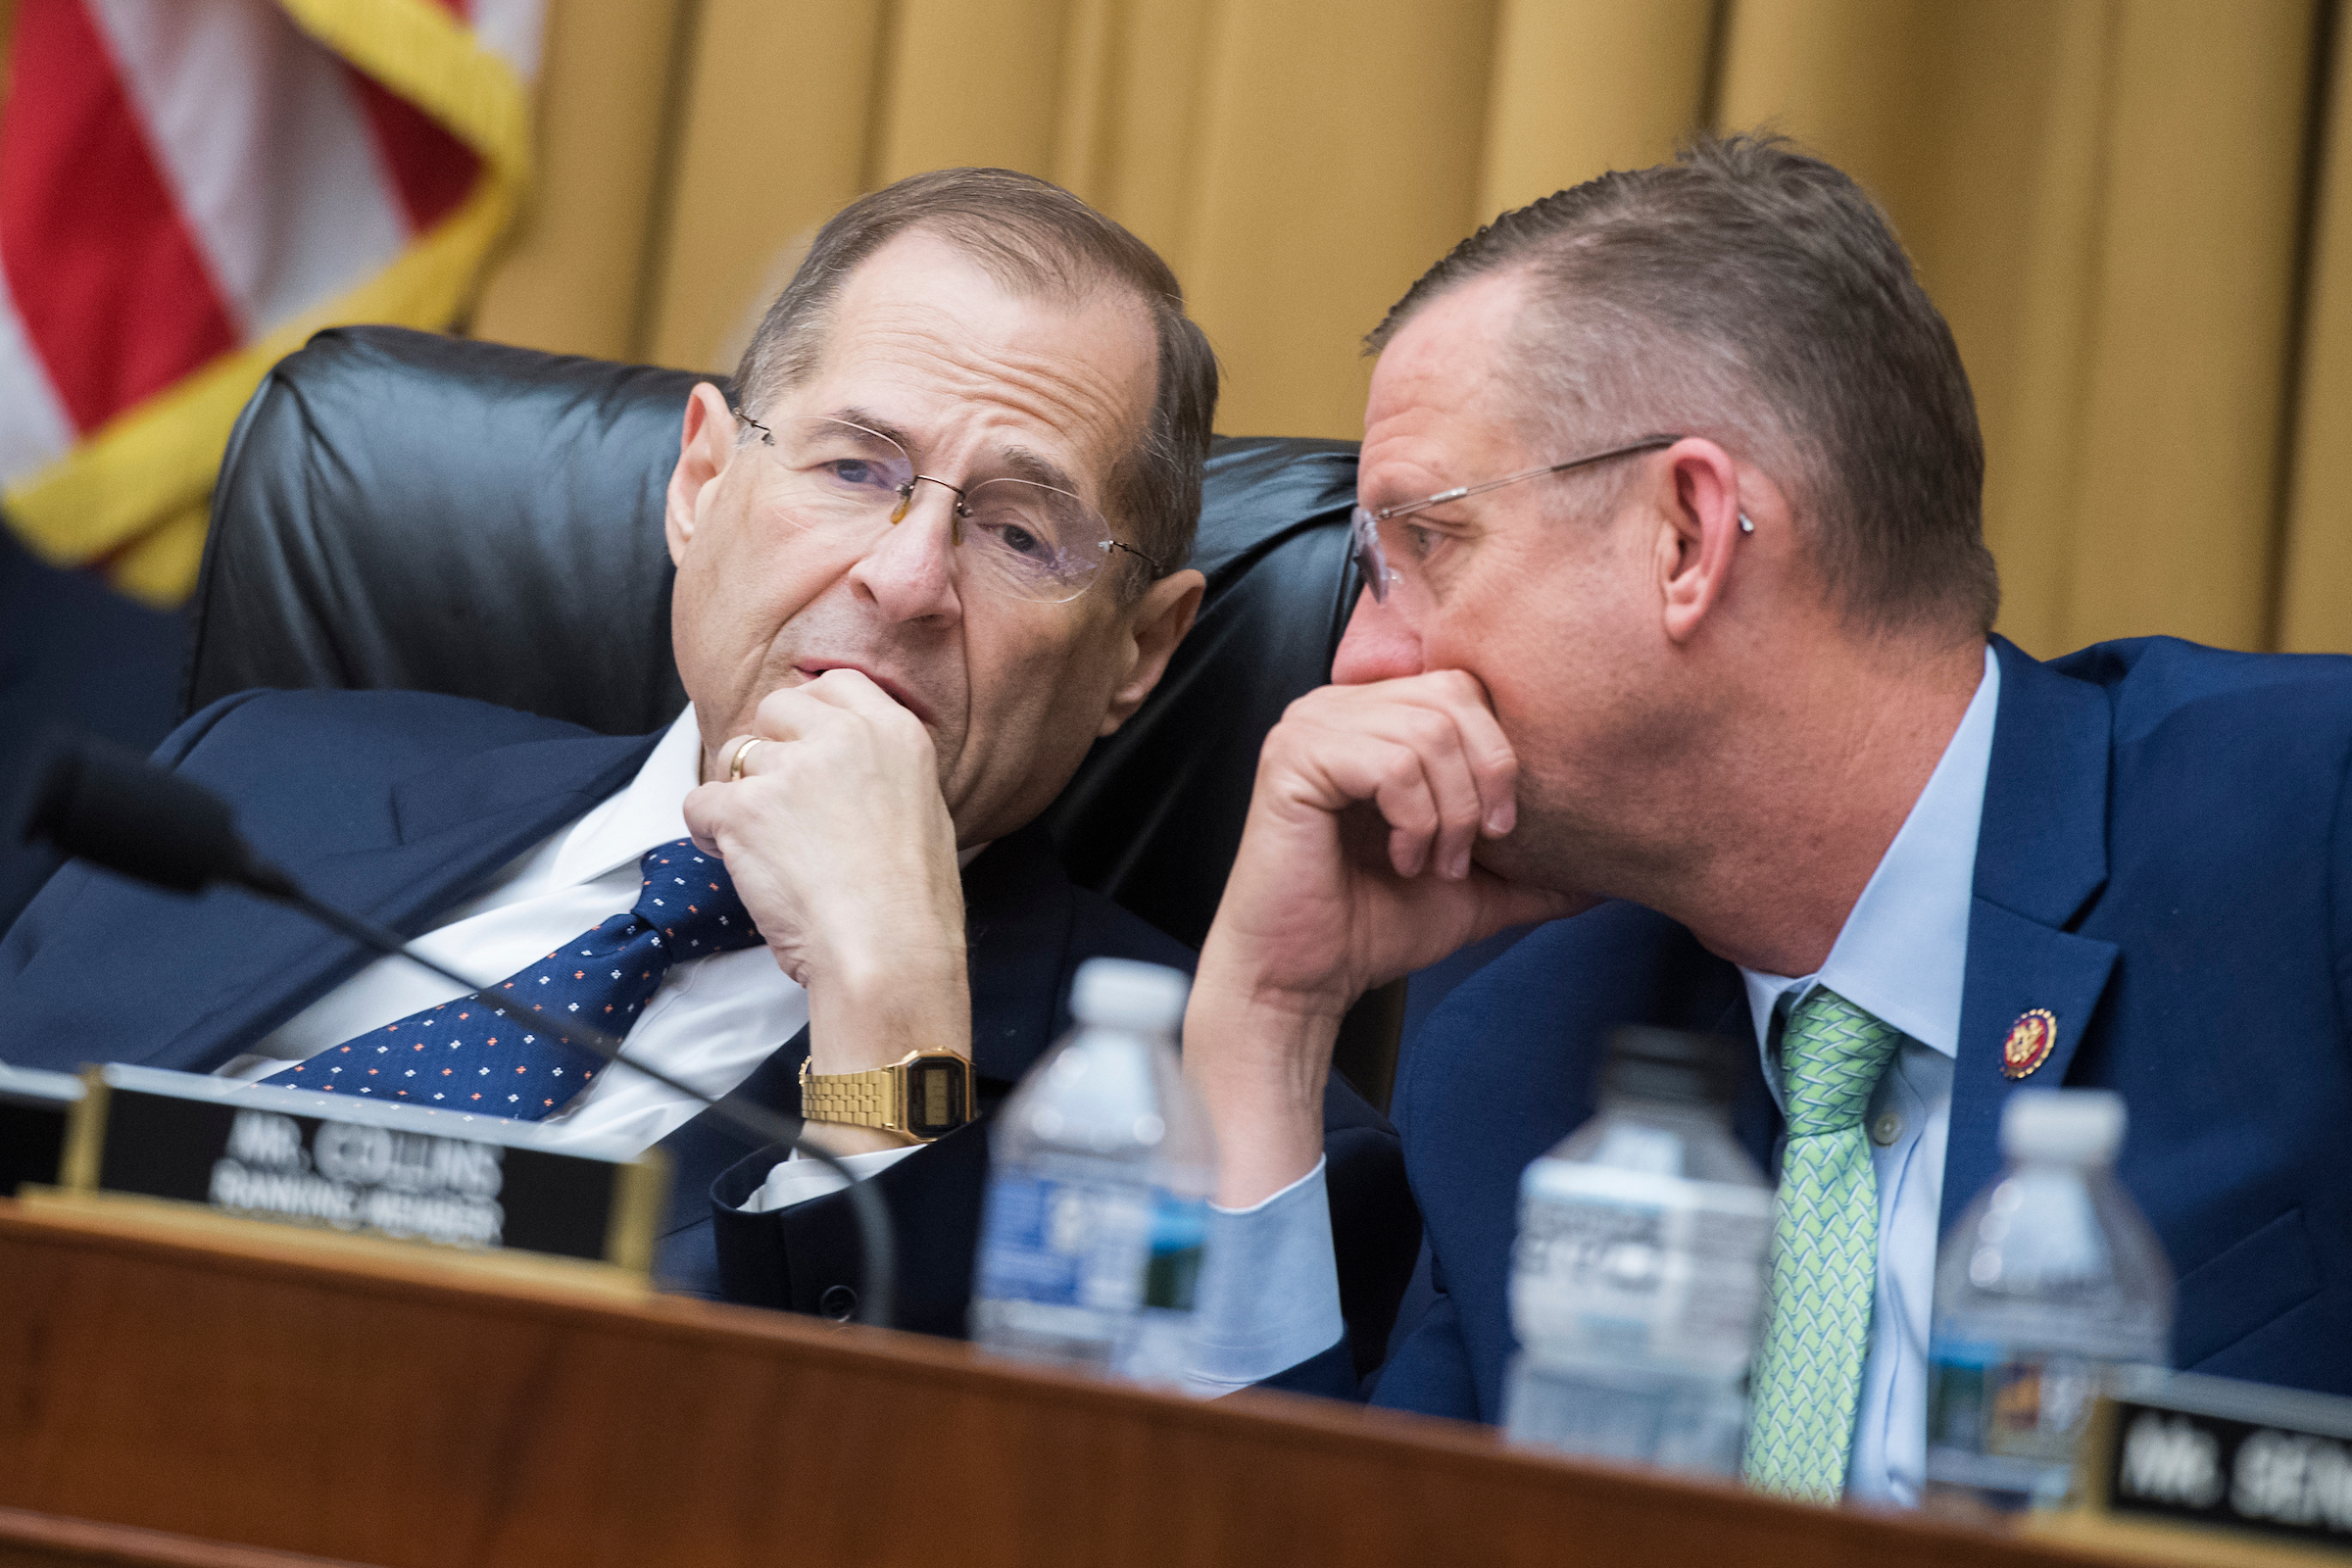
{"points": [[190, 188]]}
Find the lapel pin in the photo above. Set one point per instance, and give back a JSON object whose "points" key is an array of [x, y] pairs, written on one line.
{"points": [[2031, 1041]]}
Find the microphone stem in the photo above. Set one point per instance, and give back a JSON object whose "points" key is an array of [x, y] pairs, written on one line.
{"points": [[765, 1127]]}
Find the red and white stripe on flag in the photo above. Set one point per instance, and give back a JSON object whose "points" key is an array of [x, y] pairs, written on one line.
{"points": [[185, 192]]}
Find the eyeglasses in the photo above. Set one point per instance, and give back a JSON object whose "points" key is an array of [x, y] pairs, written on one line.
{"points": [[848, 484], [1365, 526]]}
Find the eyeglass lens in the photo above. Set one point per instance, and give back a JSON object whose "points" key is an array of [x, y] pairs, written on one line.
{"points": [[850, 484]]}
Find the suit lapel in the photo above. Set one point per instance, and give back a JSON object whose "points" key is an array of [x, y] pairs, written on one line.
{"points": [[1018, 915], [454, 826], [2041, 859]]}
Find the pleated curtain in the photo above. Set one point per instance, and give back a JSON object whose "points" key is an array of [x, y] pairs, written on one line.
{"points": [[2136, 213]]}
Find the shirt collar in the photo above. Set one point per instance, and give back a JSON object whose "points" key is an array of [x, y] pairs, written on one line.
{"points": [[651, 810], [1902, 954]]}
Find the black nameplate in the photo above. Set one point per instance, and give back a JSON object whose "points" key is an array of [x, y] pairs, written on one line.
{"points": [[34, 1108], [2244, 1457], [292, 1156]]}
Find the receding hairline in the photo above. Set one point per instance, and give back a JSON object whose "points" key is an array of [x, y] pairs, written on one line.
{"points": [[1073, 282], [1523, 368], [1032, 238], [1130, 427], [1752, 294]]}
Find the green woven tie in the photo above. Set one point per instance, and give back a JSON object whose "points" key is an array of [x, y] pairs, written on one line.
{"points": [[1825, 1253]]}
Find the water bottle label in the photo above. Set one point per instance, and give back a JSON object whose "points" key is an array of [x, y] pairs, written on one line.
{"points": [[1618, 1263], [2007, 1420], [1101, 1247], [1179, 1234]]}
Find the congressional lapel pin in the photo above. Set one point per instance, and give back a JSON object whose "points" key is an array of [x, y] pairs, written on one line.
{"points": [[2031, 1041]]}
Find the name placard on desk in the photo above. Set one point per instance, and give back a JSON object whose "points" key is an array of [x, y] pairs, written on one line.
{"points": [[2232, 1472], [35, 1110], [325, 1161]]}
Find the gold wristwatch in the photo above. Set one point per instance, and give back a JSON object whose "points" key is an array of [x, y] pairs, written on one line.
{"points": [[923, 1096]]}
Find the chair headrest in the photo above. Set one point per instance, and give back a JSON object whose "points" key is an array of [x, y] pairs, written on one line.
{"points": [[400, 510]]}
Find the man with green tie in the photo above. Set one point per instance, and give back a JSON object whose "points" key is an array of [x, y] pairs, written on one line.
{"points": [[1676, 636]]}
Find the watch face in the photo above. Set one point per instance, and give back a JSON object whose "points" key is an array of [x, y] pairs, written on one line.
{"points": [[935, 1096]]}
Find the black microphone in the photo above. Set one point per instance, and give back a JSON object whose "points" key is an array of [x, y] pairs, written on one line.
{"points": [[111, 806]]}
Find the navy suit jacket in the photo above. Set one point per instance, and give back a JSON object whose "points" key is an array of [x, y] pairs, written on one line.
{"points": [[2164, 862], [400, 805]]}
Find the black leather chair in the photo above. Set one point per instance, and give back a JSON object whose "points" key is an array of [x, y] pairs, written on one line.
{"points": [[397, 510]]}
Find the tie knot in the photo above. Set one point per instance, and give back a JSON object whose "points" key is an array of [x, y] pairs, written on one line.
{"points": [[1830, 1057], [688, 897]]}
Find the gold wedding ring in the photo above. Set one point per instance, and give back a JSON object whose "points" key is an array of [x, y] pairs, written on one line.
{"points": [[735, 768]]}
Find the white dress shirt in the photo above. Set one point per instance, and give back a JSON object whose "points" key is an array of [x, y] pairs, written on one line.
{"points": [[709, 1024], [1902, 956]]}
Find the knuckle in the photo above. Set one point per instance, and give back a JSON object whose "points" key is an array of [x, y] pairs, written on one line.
{"points": [[1459, 683], [1305, 710], [1297, 733], [1429, 730], [906, 733], [1408, 805]]}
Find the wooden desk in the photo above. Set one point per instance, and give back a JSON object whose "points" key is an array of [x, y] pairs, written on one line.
{"points": [[383, 1408]]}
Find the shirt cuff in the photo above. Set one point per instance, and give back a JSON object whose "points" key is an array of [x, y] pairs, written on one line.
{"points": [[797, 1180], [1269, 1294]]}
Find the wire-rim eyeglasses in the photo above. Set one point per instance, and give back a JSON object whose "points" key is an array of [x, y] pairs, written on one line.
{"points": [[1080, 539], [1372, 561]]}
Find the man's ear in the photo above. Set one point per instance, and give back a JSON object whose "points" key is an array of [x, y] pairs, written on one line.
{"points": [[1698, 539], [1156, 624], [704, 445]]}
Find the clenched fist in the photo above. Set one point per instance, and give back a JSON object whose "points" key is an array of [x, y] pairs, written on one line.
{"points": [[839, 845], [1354, 870]]}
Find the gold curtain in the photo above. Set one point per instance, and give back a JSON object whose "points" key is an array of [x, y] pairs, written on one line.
{"points": [[2136, 213]]}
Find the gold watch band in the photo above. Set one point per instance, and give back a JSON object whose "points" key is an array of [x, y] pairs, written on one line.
{"points": [[878, 1098], [861, 1099]]}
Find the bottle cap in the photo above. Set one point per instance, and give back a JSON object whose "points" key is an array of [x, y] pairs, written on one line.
{"points": [[1121, 994], [2068, 1126], [1671, 1065]]}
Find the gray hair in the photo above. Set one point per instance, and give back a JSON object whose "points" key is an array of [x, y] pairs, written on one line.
{"points": [[1752, 294], [1034, 239]]}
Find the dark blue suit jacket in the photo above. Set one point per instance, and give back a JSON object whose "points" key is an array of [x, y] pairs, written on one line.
{"points": [[2164, 863], [400, 805]]}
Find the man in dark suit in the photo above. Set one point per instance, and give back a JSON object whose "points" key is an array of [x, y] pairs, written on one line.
{"points": [[1673, 485], [933, 554]]}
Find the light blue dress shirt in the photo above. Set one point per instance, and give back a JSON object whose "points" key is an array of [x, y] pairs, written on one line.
{"points": [[1902, 957], [1271, 1295]]}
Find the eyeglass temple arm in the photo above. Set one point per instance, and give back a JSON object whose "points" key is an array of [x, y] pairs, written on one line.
{"points": [[1114, 544], [1648, 443]]}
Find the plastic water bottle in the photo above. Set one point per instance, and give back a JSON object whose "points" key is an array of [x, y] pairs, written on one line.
{"points": [[2049, 1282], [1638, 1280], [1101, 1169]]}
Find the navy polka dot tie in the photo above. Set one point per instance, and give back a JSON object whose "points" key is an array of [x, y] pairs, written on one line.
{"points": [[513, 1060]]}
